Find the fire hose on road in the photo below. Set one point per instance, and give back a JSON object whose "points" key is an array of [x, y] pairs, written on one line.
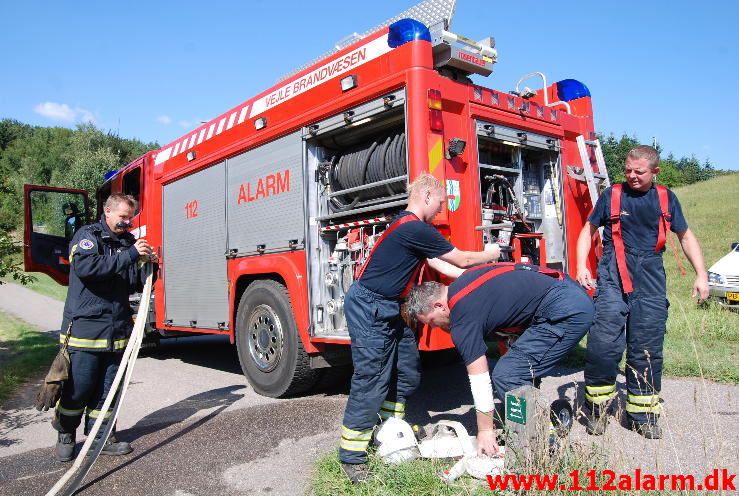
{"points": [[83, 463]]}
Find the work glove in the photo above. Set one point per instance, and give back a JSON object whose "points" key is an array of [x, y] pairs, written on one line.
{"points": [[51, 390]]}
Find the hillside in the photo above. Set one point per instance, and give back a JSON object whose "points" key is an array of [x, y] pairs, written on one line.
{"points": [[710, 332]]}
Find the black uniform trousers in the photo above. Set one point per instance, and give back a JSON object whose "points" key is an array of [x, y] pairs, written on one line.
{"points": [[386, 368], [91, 375], [635, 322]]}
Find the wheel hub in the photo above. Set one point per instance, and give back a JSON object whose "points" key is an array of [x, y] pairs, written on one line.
{"points": [[265, 338]]}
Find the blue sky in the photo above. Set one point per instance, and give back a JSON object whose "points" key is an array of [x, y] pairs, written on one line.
{"points": [[154, 70]]}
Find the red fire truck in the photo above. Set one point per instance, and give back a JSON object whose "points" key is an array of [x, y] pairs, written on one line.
{"points": [[262, 215]]}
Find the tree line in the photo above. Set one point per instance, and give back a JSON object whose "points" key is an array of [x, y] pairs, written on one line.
{"points": [[56, 156], [673, 171], [79, 158]]}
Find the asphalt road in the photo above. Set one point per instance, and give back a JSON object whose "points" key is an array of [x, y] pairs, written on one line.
{"points": [[198, 429]]}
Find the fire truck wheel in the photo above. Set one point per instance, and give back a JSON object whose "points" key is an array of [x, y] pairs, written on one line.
{"points": [[270, 351]]}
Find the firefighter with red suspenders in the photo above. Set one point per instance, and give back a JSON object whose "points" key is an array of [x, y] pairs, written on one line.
{"points": [[552, 310], [384, 350], [630, 297]]}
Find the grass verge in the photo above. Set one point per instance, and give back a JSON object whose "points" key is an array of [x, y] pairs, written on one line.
{"points": [[24, 353]]}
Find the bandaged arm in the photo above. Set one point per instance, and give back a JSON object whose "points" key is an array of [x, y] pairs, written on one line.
{"points": [[482, 392]]}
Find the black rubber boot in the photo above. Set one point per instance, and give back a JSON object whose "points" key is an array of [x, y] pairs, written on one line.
{"points": [[356, 473], [647, 429], [113, 447], [596, 421], [65, 446]]}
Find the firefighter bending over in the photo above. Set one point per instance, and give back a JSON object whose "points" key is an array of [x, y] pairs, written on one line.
{"points": [[106, 265], [630, 299], [551, 309], [384, 350]]}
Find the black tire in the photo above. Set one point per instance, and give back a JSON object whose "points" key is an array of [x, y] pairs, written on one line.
{"points": [[270, 351]]}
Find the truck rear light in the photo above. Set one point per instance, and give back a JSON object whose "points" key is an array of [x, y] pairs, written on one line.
{"points": [[435, 117]]}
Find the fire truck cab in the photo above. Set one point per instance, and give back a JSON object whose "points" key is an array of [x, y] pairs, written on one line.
{"points": [[263, 215]]}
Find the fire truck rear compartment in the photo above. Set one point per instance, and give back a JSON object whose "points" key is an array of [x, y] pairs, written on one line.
{"points": [[520, 191], [359, 164]]}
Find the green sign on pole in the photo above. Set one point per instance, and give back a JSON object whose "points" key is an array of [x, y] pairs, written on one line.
{"points": [[515, 409]]}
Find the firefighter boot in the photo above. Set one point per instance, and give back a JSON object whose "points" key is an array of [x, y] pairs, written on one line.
{"points": [[649, 430], [65, 446], [596, 420], [356, 473], [113, 447]]}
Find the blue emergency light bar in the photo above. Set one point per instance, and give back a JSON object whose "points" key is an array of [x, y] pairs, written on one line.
{"points": [[405, 30]]}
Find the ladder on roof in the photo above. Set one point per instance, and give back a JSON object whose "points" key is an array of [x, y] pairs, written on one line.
{"points": [[598, 180]]}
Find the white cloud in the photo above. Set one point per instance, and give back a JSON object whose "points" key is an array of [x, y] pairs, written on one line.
{"points": [[63, 112], [164, 119], [185, 124]]}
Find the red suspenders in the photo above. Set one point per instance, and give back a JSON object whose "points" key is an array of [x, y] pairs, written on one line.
{"points": [[406, 218], [497, 269], [618, 242]]}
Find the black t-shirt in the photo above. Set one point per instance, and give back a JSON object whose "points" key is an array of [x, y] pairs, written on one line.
{"points": [[640, 216], [507, 300], [396, 258]]}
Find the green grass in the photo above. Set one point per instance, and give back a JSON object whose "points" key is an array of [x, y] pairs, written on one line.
{"points": [[703, 340], [24, 352], [47, 286], [420, 477], [43, 284]]}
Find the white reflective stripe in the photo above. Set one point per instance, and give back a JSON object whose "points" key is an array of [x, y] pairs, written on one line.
{"points": [[210, 130], [242, 115], [96, 413], [631, 408], [176, 149], [600, 389], [192, 141], [649, 399], [220, 126], [201, 136], [68, 413], [351, 447], [389, 405], [163, 156], [231, 120], [352, 434], [600, 398]]}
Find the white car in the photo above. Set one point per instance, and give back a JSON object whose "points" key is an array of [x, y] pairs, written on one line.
{"points": [[723, 279]]}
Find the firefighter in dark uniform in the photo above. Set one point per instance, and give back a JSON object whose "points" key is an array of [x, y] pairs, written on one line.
{"points": [[552, 311], [630, 297], [106, 265], [384, 350]]}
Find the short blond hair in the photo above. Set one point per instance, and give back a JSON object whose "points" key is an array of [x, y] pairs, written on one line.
{"points": [[424, 182], [116, 199], [650, 154]]}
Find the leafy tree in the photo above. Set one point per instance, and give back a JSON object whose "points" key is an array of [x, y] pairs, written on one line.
{"points": [[9, 264]]}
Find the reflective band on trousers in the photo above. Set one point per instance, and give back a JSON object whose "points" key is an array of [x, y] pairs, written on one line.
{"points": [[68, 413], [600, 394], [643, 403], [100, 344], [354, 440], [96, 413], [391, 409]]}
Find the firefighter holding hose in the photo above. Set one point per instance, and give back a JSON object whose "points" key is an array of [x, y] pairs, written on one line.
{"points": [[384, 350], [630, 297], [106, 266]]}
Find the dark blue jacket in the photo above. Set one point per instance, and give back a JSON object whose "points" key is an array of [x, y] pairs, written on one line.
{"points": [[104, 271]]}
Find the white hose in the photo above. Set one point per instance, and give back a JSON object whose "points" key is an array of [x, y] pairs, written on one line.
{"points": [[78, 469]]}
